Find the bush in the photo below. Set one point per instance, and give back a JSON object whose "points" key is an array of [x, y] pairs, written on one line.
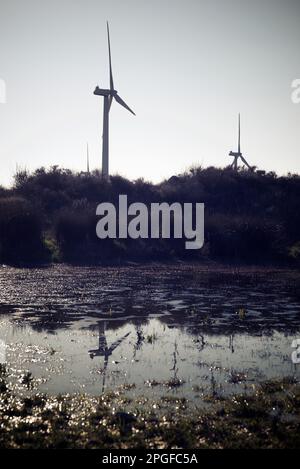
{"points": [[249, 216], [20, 232]]}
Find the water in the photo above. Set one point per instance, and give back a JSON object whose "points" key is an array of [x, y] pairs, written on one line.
{"points": [[158, 331]]}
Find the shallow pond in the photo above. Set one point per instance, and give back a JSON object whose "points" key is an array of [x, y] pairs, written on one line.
{"points": [[153, 331]]}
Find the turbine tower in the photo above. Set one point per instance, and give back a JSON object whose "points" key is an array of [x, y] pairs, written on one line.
{"points": [[238, 154], [109, 95]]}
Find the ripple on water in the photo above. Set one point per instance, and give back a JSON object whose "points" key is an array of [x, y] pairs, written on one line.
{"points": [[181, 327]]}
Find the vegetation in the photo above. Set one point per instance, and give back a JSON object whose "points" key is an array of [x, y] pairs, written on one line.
{"points": [[268, 418], [49, 216]]}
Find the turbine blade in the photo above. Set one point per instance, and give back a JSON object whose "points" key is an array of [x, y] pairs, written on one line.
{"points": [[110, 102], [120, 101], [111, 80], [246, 163], [239, 141]]}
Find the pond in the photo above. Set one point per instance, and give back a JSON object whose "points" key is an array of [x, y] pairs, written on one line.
{"points": [[167, 331]]}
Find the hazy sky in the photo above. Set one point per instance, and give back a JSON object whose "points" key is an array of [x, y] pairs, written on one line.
{"points": [[186, 67]]}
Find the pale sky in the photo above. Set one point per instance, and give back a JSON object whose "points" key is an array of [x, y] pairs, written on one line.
{"points": [[186, 67]]}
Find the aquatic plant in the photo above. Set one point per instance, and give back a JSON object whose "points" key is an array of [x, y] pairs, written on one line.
{"points": [[27, 379], [3, 369], [242, 313], [151, 338], [268, 418], [3, 386]]}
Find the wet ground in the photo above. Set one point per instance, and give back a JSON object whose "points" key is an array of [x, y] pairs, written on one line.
{"points": [[158, 331]]}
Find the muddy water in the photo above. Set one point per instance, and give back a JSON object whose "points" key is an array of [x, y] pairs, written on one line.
{"points": [[153, 331]]}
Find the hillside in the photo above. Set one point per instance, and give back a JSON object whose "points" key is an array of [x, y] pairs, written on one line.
{"points": [[50, 216]]}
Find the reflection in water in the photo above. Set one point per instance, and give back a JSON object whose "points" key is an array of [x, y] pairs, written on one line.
{"points": [[139, 340], [177, 320], [103, 350], [174, 367]]}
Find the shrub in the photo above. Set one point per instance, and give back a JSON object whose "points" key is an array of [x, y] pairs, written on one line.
{"points": [[20, 232]]}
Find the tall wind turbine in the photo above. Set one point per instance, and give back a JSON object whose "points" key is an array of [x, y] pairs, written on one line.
{"points": [[238, 154], [109, 95]]}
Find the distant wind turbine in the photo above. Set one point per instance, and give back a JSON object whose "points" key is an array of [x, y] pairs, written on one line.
{"points": [[238, 154], [108, 95]]}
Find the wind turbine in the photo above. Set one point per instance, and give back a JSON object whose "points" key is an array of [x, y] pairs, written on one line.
{"points": [[109, 95], [238, 154]]}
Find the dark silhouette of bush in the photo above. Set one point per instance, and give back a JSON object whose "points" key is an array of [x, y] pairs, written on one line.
{"points": [[241, 239], [20, 232], [249, 216]]}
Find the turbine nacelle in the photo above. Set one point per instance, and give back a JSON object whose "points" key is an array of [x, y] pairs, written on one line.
{"points": [[101, 92], [112, 94]]}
